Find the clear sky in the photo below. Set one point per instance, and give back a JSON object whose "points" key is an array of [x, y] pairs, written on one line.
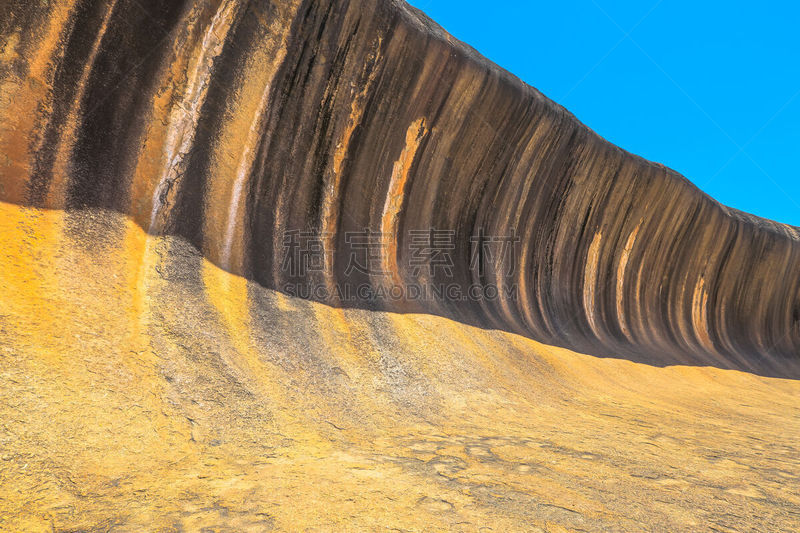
{"points": [[710, 88]]}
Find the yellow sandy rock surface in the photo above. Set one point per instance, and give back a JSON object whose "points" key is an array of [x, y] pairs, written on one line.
{"points": [[143, 388]]}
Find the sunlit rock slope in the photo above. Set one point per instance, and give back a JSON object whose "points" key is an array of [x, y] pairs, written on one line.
{"points": [[169, 362]]}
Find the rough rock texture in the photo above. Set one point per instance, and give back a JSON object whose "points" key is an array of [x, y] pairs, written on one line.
{"points": [[145, 389], [157, 375]]}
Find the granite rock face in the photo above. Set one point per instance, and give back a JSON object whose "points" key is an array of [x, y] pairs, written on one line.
{"points": [[215, 220], [231, 123]]}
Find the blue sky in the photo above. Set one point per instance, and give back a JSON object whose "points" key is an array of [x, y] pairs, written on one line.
{"points": [[709, 88]]}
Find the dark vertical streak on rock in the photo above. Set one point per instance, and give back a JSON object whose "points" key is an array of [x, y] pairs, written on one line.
{"points": [[82, 30], [118, 91], [213, 114]]}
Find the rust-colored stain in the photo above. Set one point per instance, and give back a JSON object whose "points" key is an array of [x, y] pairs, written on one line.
{"points": [[396, 193]]}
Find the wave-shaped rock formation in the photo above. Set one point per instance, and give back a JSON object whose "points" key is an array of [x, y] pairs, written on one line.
{"points": [[316, 265], [232, 123]]}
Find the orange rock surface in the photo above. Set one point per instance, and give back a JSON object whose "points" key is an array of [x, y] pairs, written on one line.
{"points": [[145, 389]]}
